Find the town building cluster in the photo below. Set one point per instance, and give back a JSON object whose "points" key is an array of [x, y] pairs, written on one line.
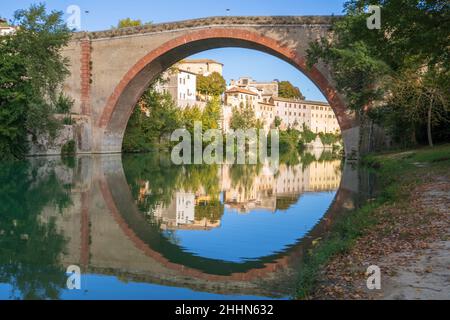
{"points": [[181, 82], [266, 192]]}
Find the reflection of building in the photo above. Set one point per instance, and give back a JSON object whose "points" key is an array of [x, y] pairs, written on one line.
{"points": [[180, 213], [265, 190], [248, 188]]}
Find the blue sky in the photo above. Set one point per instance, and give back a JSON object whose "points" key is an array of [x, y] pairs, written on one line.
{"points": [[103, 14]]}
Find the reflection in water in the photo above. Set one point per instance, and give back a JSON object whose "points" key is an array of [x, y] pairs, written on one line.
{"points": [[143, 228], [279, 209], [30, 244]]}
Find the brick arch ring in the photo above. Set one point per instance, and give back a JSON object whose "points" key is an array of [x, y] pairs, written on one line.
{"points": [[121, 102]]}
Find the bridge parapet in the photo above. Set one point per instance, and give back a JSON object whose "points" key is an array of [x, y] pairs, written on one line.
{"points": [[305, 21]]}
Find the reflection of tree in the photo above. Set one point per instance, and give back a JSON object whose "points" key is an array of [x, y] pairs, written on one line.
{"points": [[161, 175], [211, 211], [284, 203], [164, 179], [306, 159], [198, 177], [290, 157], [243, 176], [29, 247]]}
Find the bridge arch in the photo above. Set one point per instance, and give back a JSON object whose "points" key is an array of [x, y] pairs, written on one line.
{"points": [[115, 115]]}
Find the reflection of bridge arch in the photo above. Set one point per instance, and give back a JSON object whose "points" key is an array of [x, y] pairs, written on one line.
{"points": [[117, 196]]}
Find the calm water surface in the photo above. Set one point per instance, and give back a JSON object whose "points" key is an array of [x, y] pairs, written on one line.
{"points": [[140, 228]]}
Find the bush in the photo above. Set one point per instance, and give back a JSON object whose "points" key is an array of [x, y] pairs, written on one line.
{"points": [[329, 138], [307, 135], [69, 148]]}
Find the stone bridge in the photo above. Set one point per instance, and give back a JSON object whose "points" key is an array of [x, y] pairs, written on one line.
{"points": [[111, 69]]}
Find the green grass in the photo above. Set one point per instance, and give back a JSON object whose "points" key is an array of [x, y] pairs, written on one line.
{"points": [[397, 172]]}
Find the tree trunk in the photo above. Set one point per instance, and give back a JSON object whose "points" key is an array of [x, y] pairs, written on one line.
{"points": [[430, 138]]}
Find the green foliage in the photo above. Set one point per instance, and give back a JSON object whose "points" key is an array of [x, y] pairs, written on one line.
{"points": [[211, 114], [403, 68], [307, 135], [243, 118], [277, 122], [148, 131], [287, 90], [396, 173], [329, 138], [128, 22], [63, 104], [32, 70], [14, 95], [189, 116], [31, 247], [211, 211], [211, 85], [69, 148], [289, 140]]}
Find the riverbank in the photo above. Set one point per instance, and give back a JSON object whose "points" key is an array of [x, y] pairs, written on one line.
{"points": [[404, 230]]}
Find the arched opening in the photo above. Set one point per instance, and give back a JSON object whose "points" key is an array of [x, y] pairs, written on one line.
{"points": [[114, 118]]}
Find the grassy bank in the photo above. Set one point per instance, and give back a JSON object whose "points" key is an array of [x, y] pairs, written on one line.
{"points": [[397, 174]]}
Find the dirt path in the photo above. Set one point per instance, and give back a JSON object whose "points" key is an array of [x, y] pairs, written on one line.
{"points": [[411, 245], [427, 276]]}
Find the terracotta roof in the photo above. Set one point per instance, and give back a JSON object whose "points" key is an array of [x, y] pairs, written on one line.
{"points": [[186, 71], [200, 61], [240, 90], [266, 103], [321, 103]]}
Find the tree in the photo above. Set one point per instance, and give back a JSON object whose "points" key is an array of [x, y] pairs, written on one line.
{"points": [[243, 118], [277, 122], [128, 22], [189, 116], [211, 85], [370, 65], [32, 72], [154, 118], [211, 114], [288, 91], [14, 94]]}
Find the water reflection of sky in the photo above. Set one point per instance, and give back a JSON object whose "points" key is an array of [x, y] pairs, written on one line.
{"points": [[258, 233], [101, 287]]}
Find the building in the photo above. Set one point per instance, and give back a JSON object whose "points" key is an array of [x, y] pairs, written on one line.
{"points": [[293, 113], [267, 89], [240, 97], [316, 115], [181, 85], [262, 97], [5, 29], [265, 112], [202, 67]]}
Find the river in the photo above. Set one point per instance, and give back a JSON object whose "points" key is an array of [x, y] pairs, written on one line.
{"points": [[140, 228]]}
